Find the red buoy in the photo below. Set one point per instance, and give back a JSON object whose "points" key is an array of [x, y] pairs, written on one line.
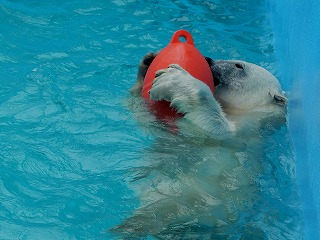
{"points": [[183, 53]]}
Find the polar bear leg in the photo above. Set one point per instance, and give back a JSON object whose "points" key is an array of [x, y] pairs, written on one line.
{"points": [[191, 97], [143, 68]]}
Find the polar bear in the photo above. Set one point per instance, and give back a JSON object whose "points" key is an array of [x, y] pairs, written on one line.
{"points": [[243, 92], [210, 188]]}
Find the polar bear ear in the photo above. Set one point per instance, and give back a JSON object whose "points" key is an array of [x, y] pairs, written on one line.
{"points": [[280, 99]]}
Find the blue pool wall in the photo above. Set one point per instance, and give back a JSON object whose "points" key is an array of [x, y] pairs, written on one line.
{"points": [[296, 25]]}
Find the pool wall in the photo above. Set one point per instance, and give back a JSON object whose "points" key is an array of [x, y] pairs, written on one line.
{"points": [[296, 26]]}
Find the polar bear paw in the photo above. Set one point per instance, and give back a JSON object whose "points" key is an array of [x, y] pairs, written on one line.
{"points": [[178, 87], [164, 86], [190, 96]]}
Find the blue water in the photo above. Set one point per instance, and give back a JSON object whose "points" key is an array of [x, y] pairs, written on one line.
{"points": [[72, 147], [297, 25]]}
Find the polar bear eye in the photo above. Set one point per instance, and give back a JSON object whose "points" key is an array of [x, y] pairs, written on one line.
{"points": [[239, 65]]}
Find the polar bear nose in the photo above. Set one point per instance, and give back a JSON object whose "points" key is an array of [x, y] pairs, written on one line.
{"points": [[216, 81], [209, 61], [215, 73]]}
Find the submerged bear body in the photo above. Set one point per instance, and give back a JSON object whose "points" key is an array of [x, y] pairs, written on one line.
{"points": [[209, 184]]}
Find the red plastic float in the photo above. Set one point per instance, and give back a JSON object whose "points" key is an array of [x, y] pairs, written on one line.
{"points": [[183, 53], [181, 50]]}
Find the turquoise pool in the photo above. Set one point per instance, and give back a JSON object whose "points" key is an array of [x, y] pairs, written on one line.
{"points": [[74, 156]]}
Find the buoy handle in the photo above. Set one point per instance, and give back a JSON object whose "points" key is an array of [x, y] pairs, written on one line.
{"points": [[184, 34]]}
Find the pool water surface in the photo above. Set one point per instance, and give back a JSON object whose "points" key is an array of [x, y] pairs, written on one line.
{"points": [[77, 156]]}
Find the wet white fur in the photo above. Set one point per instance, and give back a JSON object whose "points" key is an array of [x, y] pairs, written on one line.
{"points": [[217, 181], [236, 99]]}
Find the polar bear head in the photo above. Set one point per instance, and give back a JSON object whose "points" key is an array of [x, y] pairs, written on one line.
{"points": [[245, 86]]}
